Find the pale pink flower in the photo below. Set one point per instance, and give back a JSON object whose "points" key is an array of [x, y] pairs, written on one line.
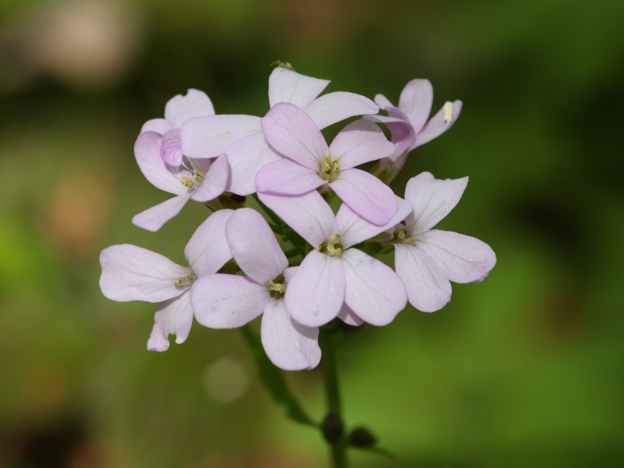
{"points": [[426, 259], [131, 273], [241, 137], [335, 279], [230, 301], [309, 163]]}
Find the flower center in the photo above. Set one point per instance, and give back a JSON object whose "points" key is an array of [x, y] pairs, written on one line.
{"points": [[330, 169], [332, 247], [402, 235], [185, 281], [193, 182], [277, 287]]}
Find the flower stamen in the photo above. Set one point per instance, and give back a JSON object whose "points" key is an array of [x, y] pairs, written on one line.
{"points": [[330, 169], [332, 247], [277, 287], [185, 281]]}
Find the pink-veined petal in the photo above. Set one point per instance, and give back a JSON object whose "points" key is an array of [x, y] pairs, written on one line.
{"points": [[334, 107], [373, 291], [161, 126], [439, 123], [293, 134], [131, 273], [155, 217], [463, 259], [354, 229], [215, 180], [181, 108], [289, 86], [254, 246], [432, 199], [171, 149], [288, 344], [365, 194], [286, 177], [173, 317], [415, 101], [349, 317], [427, 287], [208, 249], [308, 215], [247, 156], [315, 293], [208, 137], [360, 142], [227, 301], [147, 153]]}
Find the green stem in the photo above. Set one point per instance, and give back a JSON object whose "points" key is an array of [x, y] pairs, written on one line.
{"points": [[332, 391]]}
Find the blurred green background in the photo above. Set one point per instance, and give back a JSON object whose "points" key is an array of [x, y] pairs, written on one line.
{"points": [[524, 369]]}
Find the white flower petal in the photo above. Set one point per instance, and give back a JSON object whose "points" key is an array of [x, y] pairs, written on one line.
{"points": [[147, 153], [349, 317], [415, 101], [247, 156], [181, 108], [208, 249], [334, 107], [155, 217], [360, 142], [161, 126], [288, 344], [373, 291], [173, 317], [215, 180], [131, 273], [289, 86], [286, 177]]}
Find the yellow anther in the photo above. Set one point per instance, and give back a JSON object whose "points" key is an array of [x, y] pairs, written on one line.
{"points": [[185, 281], [277, 287], [330, 168], [187, 181], [332, 247], [198, 176], [401, 235], [448, 112]]}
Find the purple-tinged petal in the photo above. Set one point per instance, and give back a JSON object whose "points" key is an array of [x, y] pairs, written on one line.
{"points": [[181, 108], [315, 294], [147, 153], [427, 287], [354, 229], [286, 177], [155, 217], [308, 215], [432, 199], [360, 142], [171, 148], [288, 344], [334, 107], [131, 273], [254, 246], [247, 156], [215, 180], [161, 126], [349, 317], [173, 317], [208, 249], [289, 86], [373, 291], [462, 259], [415, 101], [227, 301], [382, 101], [365, 194], [439, 123], [403, 135], [293, 134], [208, 137]]}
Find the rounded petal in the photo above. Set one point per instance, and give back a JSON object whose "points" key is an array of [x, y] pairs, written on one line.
{"points": [[131, 273], [181, 108], [161, 126], [308, 215], [293, 134], [365, 194], [289, 86], [360, 142], [354, 229], [373, 291], [147, 153], [315, 293], [334, 107], [215, 180], [173, 317], [254, 246], [286, 177], [349, 317], [227, 301], [208, 249], [289, 345], [427, 287], [247, 156], [439, 123], [171, 148], [208, 137], [462, 259], [432, 199], [415, 101], [155, 217]]}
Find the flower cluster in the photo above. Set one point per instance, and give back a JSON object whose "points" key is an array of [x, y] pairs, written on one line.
{"points": [[302, 264]]}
